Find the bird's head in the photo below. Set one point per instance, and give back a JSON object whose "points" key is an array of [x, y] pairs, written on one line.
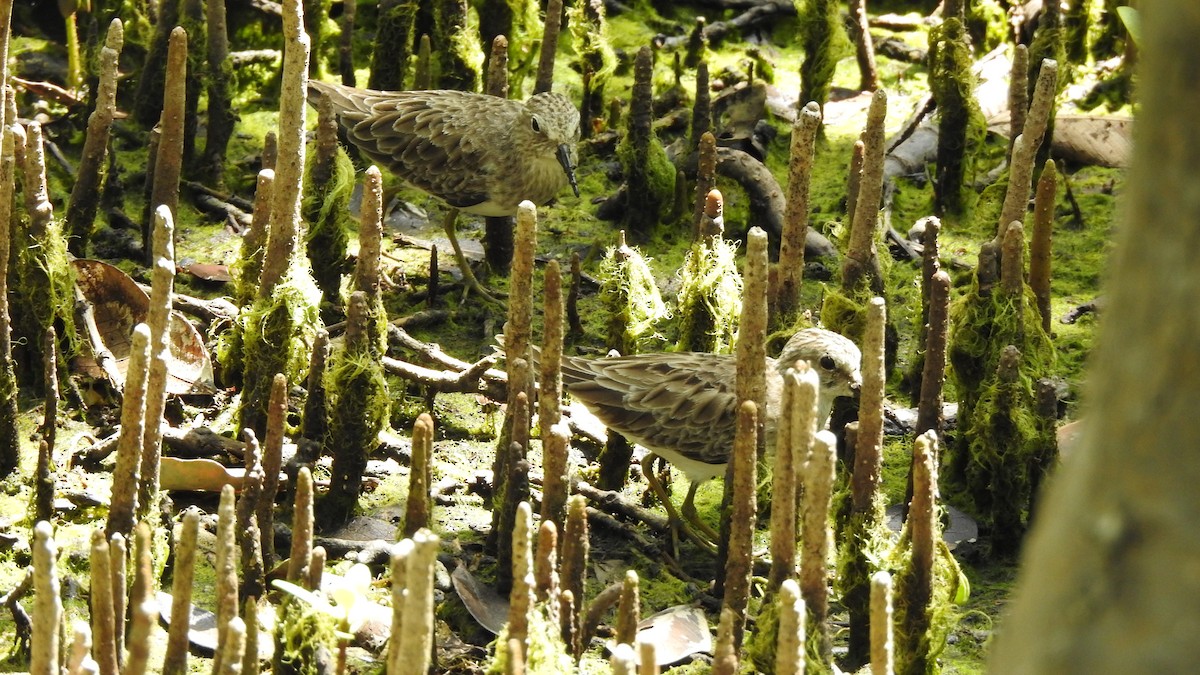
{"points": [[835, 359], [551, 122]]}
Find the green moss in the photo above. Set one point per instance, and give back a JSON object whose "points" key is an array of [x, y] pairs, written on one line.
{"points": [[545, 652], [904, 324], [595, 58], [710, 297], [524, 44], [961, 123], [44, 298], [655, 171], [1005, 440], [649, 174], [10, 441], [865, 543], [992, 467], [981, 326], [1048, 43], [918, 652], [630, 299], [1076, 18], [1073, 344], [462, 416], [762, 645], [245, 271], [459, 54], [987, 21], [1107, 34], [897, 461], [276, 334], [358, 401], [304, 638], [825, 43], [1080, 252], [590, 35], [325, 207], [321, 31], [845, 315], [465, 45], [392, 47]]}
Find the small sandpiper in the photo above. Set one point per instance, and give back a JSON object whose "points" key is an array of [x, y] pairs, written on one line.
{"points": [[480, 154], [681, 406]]}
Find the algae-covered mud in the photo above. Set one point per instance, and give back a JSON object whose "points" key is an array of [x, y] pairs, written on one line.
{"points": [[371, 462]]}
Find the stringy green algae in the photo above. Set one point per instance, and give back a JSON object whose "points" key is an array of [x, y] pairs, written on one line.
{"points": [[949, 586], [277, 336], [359, 405], [524, 44], [325, 207], [1000, 432], [545, 652], [630, 298], [710, 297], [302, 635]]}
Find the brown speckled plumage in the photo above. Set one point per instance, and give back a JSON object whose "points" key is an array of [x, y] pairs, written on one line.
{"points": [[481, 154], [682, 406]]}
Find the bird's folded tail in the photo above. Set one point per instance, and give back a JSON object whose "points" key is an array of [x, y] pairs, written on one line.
{"points": [[537, 351], [345, 99], [503, 349]]}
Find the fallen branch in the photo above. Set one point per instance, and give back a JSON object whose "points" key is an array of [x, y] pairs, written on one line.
{"points": [[118, 220], [767, 204], [209, 311], [617, 504], [368, 551], [756, 15], [425, 317], [898, 22], [498, 379], [48, 91], [59, 156], [473, 255], [1093, 307], [240, 203], [898, 242], [898, 50], [196, 442], [211, 202], [247, 57], [917, 145], [442, 381], [12, 600], [267, 7]]}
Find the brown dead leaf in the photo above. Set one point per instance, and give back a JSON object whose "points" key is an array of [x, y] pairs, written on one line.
{"points": [[118, 306]]}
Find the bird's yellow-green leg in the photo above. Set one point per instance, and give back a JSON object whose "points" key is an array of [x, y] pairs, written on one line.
{"points": [[470, 283], [689, 512], [676, 523]]}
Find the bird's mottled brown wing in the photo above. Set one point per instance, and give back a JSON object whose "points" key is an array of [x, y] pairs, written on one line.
{"points": [[431, 139], [681, 402]]}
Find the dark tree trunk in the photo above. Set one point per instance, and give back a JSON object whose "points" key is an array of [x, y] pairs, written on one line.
{"points": [[1105, 586]]}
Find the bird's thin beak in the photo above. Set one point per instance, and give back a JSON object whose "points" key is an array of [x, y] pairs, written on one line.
{"points": [[564, 158], [855, 390]]}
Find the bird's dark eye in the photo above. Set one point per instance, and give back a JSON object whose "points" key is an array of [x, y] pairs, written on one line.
{"points": [[827, 362], [537, 128]]}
